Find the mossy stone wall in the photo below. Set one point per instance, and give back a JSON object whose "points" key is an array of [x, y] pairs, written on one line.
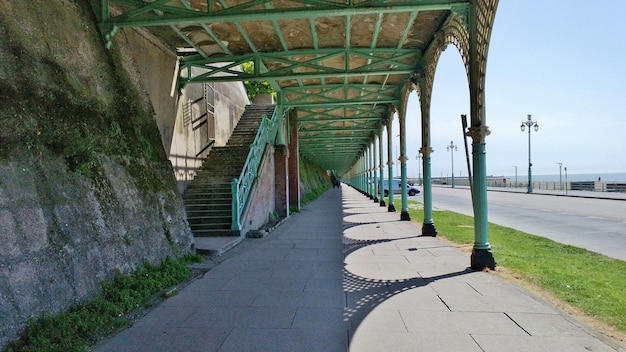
{"points": [[86, 190]]}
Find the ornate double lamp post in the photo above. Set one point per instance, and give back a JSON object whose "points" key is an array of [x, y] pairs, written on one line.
{"points": [[451, 148], [419, 168], [529, 123]]}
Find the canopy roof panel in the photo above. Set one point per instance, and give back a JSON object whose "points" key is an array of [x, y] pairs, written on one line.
{"points": [[343, 65]]}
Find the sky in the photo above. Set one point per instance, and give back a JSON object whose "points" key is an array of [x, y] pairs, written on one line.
{"points": [[562, 62]]}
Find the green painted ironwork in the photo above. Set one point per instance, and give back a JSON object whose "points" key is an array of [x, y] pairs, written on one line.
{"points": [[242, 185], [390, 207], [481, 238], [343, 88], [427, 190], [381, 61], [404, 196], [159, 13], [319, 79]]}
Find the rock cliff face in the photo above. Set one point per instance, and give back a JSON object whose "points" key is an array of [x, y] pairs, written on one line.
{"points": [[85, 187]]}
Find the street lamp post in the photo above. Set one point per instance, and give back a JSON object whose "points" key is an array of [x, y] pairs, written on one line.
{"points": [[560, 177], [529, 123], [419, 168], [565, 180], [451, 148], [515, 176]]}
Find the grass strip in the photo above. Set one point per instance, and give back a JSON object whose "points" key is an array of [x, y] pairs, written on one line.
{"points": [[591, 282], [83, 325]]}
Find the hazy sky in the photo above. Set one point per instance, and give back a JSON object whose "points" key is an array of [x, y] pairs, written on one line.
{"points": [[562, 62]]}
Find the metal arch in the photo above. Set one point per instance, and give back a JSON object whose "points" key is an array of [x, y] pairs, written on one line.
{"points": [[341, 64]]}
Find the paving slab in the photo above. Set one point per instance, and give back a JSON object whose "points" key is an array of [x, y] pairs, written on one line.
{"points": [[344, 274]]}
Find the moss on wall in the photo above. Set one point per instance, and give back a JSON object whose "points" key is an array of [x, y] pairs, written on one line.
{"points": [[313, 181], [52, 104], [86, 190]]}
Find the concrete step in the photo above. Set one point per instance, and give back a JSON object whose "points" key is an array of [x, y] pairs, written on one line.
{"points": [[212, 227], [221, 232], [201, 202], [201, 189], [199, 212], [204, 214], [207, 189], [210, 221], [200, 206], [216, 245], [217, 205], [208, 200]]}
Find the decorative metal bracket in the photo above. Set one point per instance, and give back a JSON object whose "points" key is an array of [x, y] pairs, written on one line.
{"points": [[426, 151], [478, 133]]}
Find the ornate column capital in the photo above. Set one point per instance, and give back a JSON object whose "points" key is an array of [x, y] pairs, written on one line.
{"points": [[403, 158], [478, 133], [390, 163], [426, 151]]}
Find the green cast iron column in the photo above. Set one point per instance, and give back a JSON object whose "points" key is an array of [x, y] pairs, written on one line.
{"points": [[480, 22], [357, 174], [482, 256], [381, 168], [362, 175], [481, 240], [390, 207], [365, 185], [365, 174], [404, 213], [374, 168], [370, 176], [428, 226], [425, 94]]}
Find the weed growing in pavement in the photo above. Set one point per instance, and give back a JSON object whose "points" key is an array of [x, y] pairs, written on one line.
{"points": [[85, 324]]}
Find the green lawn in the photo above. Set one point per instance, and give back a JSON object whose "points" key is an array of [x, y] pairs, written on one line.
{"points": [[591, 282]]}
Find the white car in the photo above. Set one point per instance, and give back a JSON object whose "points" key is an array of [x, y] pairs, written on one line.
{"points": [[395, 183]]}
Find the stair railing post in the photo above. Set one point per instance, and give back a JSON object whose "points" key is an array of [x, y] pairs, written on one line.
{"points": [[236, 225]]}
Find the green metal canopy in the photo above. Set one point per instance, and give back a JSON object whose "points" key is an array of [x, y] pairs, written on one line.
{"points": [[343, 65]]}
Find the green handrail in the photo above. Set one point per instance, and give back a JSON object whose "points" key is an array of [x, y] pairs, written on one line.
{"points": [[242, 185]]}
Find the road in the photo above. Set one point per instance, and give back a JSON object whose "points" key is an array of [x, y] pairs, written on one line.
{"points": [[598, 225]]}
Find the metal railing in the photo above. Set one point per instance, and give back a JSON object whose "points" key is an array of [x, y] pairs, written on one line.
{"points": [[242, 185]]}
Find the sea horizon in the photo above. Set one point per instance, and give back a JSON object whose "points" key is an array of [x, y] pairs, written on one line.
{"points": [[601, 176], [604, 177]]}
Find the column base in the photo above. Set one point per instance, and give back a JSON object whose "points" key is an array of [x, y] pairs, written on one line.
{"points": [[370, 196], [382, 203], [481, 259], [429, 230], [391, 208], [375, 199], [404, 216]]}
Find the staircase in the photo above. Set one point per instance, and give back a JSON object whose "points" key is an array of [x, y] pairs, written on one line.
{"points": [[208, 200]]}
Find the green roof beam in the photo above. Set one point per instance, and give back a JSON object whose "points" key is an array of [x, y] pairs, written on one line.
{"points": [[339, 119], [340, 130], [172, 15], [340, 103]]}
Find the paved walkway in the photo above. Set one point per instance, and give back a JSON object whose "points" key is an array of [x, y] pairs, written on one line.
{"points": [[358, 280]]}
